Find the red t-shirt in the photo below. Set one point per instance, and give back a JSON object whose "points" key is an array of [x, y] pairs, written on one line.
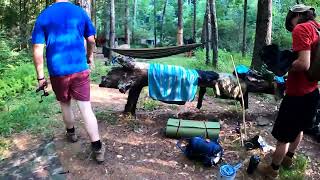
{"points": [[304, 37]]}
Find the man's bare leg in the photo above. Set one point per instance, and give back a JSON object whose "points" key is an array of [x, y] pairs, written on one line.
{"points": [[68, 118], [280, 152], [287, 160], [293, 146], [272, 171], [90, 120], [91, 125], [67, 114]]}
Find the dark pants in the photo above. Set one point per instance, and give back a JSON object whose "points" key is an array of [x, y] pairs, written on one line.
{"points": [[296, 114]]}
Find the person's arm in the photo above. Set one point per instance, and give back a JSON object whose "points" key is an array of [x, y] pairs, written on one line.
{"points": [[38, 63], [89, 32], [302, 40], [38, 41], [303, 61], [90, 49]]}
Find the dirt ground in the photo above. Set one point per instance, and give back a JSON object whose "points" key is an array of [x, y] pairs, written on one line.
{"points": [[138, 149]]}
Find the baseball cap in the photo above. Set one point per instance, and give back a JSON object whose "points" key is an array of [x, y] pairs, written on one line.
{"points": [[301, 8]]}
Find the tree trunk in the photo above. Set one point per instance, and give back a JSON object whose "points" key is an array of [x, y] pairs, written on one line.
{"points": [[112, 27], [162, 20], [194, 24], [134, 19], [155, 23], [23, 23], [47, 3], [126, 23], [133, 76], [94, 13], [86, 5], [244, 37], [204, 25], [207, 32], [214, 32], [263, 31], [180, 23], [297, 1], [20, 23]]}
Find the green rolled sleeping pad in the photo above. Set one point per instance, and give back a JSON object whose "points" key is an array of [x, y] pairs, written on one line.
{"points": [[178, 128]]}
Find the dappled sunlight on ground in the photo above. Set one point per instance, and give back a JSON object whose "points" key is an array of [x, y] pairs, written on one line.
{"points": [[111, 98], [138, 149]]}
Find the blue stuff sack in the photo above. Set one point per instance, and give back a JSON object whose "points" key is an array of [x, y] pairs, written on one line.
{"points": [[198, 148]]}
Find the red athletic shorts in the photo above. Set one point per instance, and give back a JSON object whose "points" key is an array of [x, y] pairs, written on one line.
{"points": [[76, 86]]}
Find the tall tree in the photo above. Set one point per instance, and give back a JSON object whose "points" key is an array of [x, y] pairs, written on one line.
{"points": [[112, 27], [162, 20], [155, 22], [194, 24], [94, 12], [86, 5], [126, 23], [21, 22], [263, 31], [134, 19], [206, 35], [244, 36], [214, 32], [180, 23]]}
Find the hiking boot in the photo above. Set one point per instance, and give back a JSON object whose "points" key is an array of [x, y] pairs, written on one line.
{"points": [[72, 137], [287, 162], [268, 171], [99, 154]]}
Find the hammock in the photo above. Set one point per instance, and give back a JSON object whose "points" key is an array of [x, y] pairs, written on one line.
{"points": [[153, 53]]}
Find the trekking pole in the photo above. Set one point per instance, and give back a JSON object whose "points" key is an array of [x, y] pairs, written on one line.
{"points": [[243, 106]]}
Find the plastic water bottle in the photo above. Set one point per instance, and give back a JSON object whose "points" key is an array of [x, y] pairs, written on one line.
{"points": [[253, 164]]}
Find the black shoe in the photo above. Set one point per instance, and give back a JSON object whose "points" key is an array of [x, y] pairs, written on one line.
{"points": [[72, 137]]}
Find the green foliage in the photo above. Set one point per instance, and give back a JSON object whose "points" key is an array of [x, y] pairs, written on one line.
{"points": [[198, 62], [25, 114], [17, 74], [100, 70], [297, 172], [150, 104], [224, 60], [230, 21], [107, 116], [191, 63], [4, 146], [16, 81]]}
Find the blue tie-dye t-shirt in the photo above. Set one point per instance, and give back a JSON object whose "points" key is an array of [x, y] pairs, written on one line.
{"points": [[63, 27]]}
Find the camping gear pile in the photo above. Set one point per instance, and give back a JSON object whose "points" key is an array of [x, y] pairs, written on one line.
{"points": [[194, 140], [177, 128], [198, 148]]}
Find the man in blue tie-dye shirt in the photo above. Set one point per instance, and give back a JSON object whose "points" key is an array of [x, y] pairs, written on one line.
{"points": [[63, 28]]}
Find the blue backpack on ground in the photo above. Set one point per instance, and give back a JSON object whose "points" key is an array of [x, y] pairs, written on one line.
{"points": [[198, 148]]}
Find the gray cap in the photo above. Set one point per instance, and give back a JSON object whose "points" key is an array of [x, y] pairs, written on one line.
{"points": [[301, 8]]}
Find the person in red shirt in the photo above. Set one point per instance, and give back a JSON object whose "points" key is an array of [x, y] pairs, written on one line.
{"points": [[298, 108]]}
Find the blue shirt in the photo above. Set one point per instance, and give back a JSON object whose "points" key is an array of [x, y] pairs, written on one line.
{"points": [[63, 27]]}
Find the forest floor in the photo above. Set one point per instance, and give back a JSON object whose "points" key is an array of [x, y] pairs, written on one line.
{"points": [[138, 149]]}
